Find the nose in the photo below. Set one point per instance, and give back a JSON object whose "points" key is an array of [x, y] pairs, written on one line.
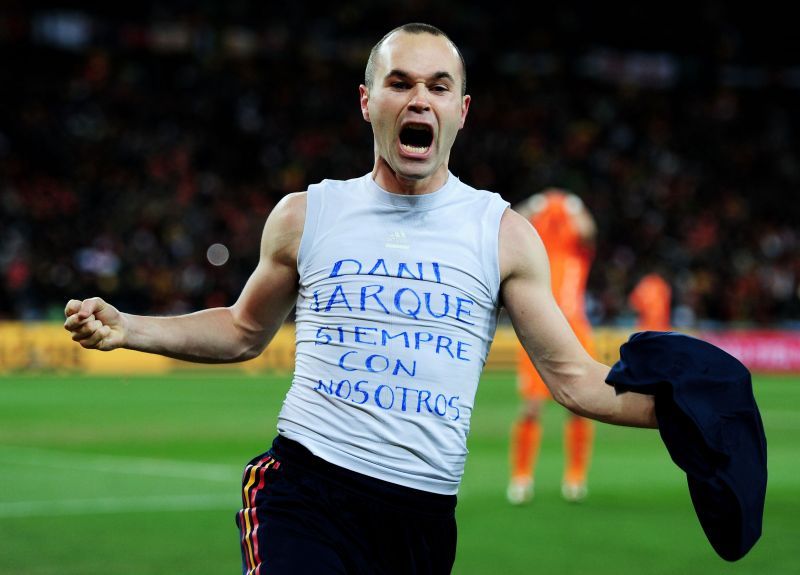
{"points": [[418, 101]]}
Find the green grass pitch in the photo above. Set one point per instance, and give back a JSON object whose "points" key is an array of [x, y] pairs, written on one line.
{"points": [[140, 475]]}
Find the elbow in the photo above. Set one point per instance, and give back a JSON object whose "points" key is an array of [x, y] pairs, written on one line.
{"points": [[230, 354], [249, 339], [581, 403], [577, 390], [249, 345], [570, 399], [564, 379], [249, 352]]}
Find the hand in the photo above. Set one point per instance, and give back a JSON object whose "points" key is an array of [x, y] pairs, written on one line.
{"points": [[95, 324]]}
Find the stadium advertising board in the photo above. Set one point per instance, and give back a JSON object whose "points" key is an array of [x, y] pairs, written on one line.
{"points": [[46, 347]]}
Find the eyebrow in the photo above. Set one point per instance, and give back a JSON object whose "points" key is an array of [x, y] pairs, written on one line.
{"points": [[405, 75]]}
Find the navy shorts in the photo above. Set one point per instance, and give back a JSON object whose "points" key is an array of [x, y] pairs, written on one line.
{"points": [[303, 515]]}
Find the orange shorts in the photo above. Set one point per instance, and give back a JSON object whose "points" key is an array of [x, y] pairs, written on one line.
{"points": [[529, 382]]}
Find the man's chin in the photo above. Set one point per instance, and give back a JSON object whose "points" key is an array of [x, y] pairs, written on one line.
{"points": [[413, 169], [408, 170], [416, 177]]}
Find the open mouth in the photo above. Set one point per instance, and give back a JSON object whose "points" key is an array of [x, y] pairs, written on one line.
{"points": [[416, 138]]}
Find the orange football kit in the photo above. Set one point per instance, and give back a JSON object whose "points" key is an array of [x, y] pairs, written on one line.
{"points": [[570, 261]]}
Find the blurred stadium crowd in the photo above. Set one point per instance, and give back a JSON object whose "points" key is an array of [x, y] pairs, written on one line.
{"points": [[131, 143]]}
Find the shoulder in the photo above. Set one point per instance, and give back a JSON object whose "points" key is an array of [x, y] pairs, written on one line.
{"points": [[284, 226], [515, 224], [521, 249], [290, 211]]}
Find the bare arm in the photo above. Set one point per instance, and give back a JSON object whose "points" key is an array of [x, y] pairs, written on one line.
{"points": [[574, 378], [216, 335]]}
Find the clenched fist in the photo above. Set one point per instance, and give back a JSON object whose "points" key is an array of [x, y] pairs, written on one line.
{"points": [[95, 324]]}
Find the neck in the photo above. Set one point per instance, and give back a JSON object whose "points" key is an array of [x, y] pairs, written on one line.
{"points": [[392, 181]]}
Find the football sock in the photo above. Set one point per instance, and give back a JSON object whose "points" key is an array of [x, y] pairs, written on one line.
{"points": [[526, 438], [578, 439]]}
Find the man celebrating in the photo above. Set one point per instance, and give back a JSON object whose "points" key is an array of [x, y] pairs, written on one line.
{"points": [[397, 278]]}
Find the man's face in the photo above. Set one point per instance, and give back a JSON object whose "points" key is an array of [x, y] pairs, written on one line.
{"points": [[415, 105]]}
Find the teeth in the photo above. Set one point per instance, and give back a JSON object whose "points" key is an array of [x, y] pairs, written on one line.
{"points": [[415, 149]]}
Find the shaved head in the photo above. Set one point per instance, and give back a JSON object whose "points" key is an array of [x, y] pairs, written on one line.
{"points": [[414, 28]]}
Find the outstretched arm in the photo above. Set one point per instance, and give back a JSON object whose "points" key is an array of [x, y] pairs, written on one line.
{"points": [[216, 335], [574, 378]]}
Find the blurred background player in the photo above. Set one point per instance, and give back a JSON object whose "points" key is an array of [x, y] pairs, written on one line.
{"points": [[568, 232], [651, 300]]}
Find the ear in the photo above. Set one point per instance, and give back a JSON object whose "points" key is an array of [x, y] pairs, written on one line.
{"points": [[363, 96], [464, 110]]}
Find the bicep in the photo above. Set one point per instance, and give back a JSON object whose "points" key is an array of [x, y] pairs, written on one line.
{"points": [[267, 298], [271, 291], [527, 296]]}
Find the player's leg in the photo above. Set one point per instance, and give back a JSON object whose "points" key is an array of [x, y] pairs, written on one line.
{"points": [[526, 432], [526, 438], [578, 442], [578, 433]]}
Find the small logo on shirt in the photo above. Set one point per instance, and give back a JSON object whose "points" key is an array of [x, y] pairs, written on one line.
{"points": [[397, 240]]}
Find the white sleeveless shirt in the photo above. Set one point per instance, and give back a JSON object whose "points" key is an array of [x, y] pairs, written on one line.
{"points": [[397, 308]]}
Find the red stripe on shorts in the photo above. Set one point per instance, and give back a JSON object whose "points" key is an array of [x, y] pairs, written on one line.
{"points": [[252, 482]]}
